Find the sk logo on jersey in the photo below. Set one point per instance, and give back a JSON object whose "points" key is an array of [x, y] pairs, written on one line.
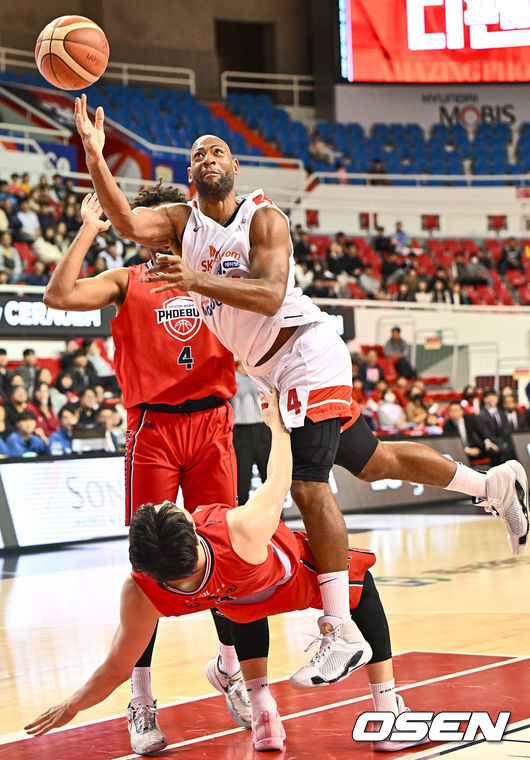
{"points": [[180, 317]]}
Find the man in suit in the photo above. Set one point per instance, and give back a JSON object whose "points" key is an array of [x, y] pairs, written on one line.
{"points": [[464, 425], [495, 430], [517, 419]]}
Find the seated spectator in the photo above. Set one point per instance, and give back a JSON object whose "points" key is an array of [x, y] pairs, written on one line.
{"points": [[303, 275], [5, 429], [11, 213], [29, 223], [46, 217], [511, 257], [111, 257], [458, 269], [415, 409], [9, 257], [470, 402], [18, 401], [377, 168], [142, 256], [302, 248], [45, 247], [67, 356], [106, 415], [64, 391], [15, 188], [517, 419], [42, 409], [62, 240], [392, 270], [370, 371], [84, 373], [321, 151], [421, 295], [432, 425], [58, 191], [494, 429], [88, 407], [381, 243], [460, 295], [381, 387], [28, 369], [397, 348], [351, 264], [101, 366], [25, 185], [71, 218], [323, 286], [390, 412], [25, 441], [441, 293], [5, 374], [61, 439], [296, 233], [403, 293], [39, 276], [368, 283], [4, 223], [400, 236], [411, 280], [477, 272], [464, 425]]}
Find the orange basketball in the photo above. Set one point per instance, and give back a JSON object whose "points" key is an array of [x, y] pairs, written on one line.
{"points": [[72, 52]]}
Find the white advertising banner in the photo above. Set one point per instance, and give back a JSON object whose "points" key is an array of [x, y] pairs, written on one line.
{"points": [[469, 105]]}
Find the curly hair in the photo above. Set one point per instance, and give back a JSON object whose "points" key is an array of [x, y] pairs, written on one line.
{"points": [[157, 194], [163, 543]]}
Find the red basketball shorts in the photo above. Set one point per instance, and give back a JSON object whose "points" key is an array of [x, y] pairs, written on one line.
{"points": [[193, 451]]}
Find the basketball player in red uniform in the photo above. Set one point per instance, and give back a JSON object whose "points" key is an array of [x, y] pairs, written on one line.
{"points": [[235, 259], [176, 378], [248, 563]]}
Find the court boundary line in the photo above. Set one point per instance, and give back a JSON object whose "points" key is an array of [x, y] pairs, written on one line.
{"points": [[4, 739], [342, 703]]}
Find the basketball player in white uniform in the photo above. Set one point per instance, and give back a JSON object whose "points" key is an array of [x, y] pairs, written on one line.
{"points": [[234, 256]]}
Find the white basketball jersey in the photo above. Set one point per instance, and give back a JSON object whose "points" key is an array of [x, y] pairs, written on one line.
{"points": [[208, 246]]}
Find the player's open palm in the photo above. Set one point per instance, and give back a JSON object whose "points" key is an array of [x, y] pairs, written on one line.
{"points": [[91, 212], [52, 718], [92, 135]]}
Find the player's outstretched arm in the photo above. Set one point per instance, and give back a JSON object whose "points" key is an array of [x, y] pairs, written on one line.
{"points": [[65, 290], [269, 269], [253, 524], [151, 227], [137, 623]]}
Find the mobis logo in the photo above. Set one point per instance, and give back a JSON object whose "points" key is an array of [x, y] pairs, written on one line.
{"points": [[180, 317], [415, 727]]}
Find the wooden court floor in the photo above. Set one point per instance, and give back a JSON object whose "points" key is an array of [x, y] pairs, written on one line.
{"points": [[457, 603]]}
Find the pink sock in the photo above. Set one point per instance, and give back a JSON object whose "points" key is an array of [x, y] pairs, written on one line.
{"points": [[228, 663], [335, 592], [384, 696], [260, 697]]}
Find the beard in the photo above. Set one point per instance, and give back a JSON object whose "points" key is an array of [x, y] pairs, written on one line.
{"points": [[215, 191]]}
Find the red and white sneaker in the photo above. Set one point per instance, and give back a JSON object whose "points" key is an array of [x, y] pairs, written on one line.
{"points": [[390, 746], [268, 733]]}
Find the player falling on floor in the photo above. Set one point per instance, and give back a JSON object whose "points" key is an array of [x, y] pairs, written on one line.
{"points": [[248, 564], [236, 262], [176, 378]]}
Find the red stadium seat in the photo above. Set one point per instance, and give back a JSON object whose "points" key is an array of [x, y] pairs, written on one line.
{"points": [[486, 295], [356, 291], [26, 254], [515, 278], [524, 294]]}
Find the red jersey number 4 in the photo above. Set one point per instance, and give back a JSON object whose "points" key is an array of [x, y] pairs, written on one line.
{"points": [[293, 403]]}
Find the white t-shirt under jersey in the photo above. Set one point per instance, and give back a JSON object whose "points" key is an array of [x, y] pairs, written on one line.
{"points": [[208, 246]]}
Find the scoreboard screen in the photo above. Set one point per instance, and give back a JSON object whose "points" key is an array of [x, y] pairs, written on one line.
{"points": [[434, 41]]}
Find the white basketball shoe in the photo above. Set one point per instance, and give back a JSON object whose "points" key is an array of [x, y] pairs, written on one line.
{"points": [[340, 653], [235, 693], [146, 736], [507, 497]]}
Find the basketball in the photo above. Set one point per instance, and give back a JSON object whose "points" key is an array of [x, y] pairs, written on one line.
{"points": [[72, 52]]}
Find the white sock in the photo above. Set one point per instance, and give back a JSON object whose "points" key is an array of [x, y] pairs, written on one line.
{"points": [[335, 592], [384, 696], [228, 661], [260, 697], [468, 481], [141, 685]]}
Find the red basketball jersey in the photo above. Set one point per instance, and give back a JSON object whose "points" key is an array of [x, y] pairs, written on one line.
{"points": [[165, 354], [285, 581], [227, 577]]}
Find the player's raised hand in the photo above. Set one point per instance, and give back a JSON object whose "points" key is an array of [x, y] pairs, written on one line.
{"points": [[91, 213], [92, 135], [52, 718], [174, 271], [270, 409]]}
